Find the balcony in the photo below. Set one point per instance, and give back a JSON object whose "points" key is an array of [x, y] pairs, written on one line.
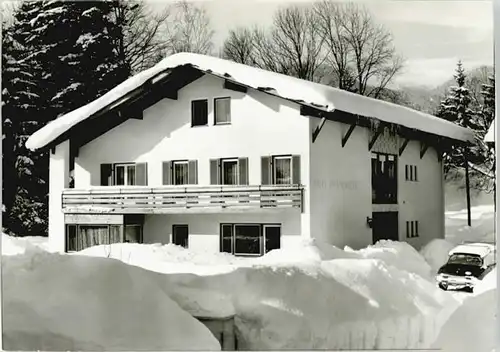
{"points": [[180, 199]]}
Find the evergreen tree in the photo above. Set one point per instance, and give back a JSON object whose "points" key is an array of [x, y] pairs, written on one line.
{"points": [[60, 55], [457, 107]]}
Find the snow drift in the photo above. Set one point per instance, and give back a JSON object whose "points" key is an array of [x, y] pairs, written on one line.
{"points": [[60, 302], [436, 253], [309, 296], [472, 327]]}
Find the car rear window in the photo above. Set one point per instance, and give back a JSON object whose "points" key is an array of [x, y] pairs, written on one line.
{"points": [[465, 259]]}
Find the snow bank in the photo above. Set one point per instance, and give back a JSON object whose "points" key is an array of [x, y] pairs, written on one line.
{"points": [[399, 255], [60, 302], [436, 253], [312, 295], [19, 245], [321, 96], [489, 282], [482, 229], [472, 327]]}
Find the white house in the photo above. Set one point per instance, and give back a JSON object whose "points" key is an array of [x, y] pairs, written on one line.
{"points": [[211, 154]]}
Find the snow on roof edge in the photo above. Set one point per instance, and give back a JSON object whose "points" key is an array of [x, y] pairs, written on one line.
{"points": [[322, 96]]}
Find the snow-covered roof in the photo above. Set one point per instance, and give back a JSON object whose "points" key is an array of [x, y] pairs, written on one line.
{"points": [[490, 135], [304, 92], [480, 249]]}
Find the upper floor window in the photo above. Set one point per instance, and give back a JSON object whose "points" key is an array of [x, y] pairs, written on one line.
{"points": [[222, 111], [384, 178], [124, 174], [180, 172], [199, 112], [280, 170], [229, 171]]}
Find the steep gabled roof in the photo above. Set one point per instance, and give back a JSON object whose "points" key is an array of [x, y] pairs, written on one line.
{"points": [[303, 92]]}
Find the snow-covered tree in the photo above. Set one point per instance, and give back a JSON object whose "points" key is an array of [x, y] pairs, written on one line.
{"points": [[458, 108], [58, 55]]}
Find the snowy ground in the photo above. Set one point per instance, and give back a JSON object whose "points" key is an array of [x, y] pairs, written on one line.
{"points": [[314, 296]]}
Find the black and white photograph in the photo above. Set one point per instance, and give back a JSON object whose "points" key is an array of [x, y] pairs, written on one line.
{"points": [[251, 175]]}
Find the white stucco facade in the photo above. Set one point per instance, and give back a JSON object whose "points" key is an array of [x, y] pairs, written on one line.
{"points": [[337, 198]]}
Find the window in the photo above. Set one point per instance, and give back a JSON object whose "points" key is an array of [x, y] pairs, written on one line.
{"points": [[79, 237], [280, 170], [411, 173], [180, 234], [199, 112], [133, 233], [384, 178], [222, 111], [230, 171], [249, 239], [124, 174], [180, 172], [412, 229], [229, 174]]}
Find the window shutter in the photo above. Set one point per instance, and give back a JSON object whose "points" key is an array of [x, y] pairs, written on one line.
{"points": [[243, 171], [266, 169], [296, 169], [406, 172], [167, 173], [192, 172], [106, 175], [214, 171], [141, 174], [415, 171]]}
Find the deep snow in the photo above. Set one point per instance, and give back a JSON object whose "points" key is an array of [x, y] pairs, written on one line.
{"points": [[325, 298], [313, 296], [60, 302]]}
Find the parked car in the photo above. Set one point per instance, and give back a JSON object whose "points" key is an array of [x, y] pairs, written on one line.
{"points": [[467, 264]]}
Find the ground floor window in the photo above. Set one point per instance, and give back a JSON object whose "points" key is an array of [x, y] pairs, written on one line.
{"points": [[249, 239], [180, 235], [79, 237], [133, 233]]}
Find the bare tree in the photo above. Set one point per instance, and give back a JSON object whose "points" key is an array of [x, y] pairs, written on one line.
{"points": [[360, 52], [297, 41], [141, 44], [239, 46], [291, 46], [190, 30]]}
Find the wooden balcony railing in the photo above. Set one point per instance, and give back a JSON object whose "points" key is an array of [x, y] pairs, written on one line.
{"points": [[180, 199]]}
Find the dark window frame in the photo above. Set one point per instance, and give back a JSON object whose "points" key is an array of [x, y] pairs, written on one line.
{"points": [[125, 165], [141, 232], [221, 171], [273, 165], [215, 112], [173, 163], [174, 226], [193, 117], [390, 196], [262, 238]]}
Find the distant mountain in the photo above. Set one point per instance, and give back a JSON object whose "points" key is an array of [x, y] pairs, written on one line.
{"points": [[428, 99]]}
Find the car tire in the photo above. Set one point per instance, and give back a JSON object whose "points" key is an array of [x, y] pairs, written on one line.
{"points": [[443, 287]]}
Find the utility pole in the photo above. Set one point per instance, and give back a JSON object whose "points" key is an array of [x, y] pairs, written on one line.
{"points": [[467, 183]]}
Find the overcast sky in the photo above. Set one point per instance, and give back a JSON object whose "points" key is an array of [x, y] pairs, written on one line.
{"points": [[431, 35]]}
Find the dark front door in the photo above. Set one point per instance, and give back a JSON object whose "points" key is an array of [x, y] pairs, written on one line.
{"points": [[385, 226]]}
